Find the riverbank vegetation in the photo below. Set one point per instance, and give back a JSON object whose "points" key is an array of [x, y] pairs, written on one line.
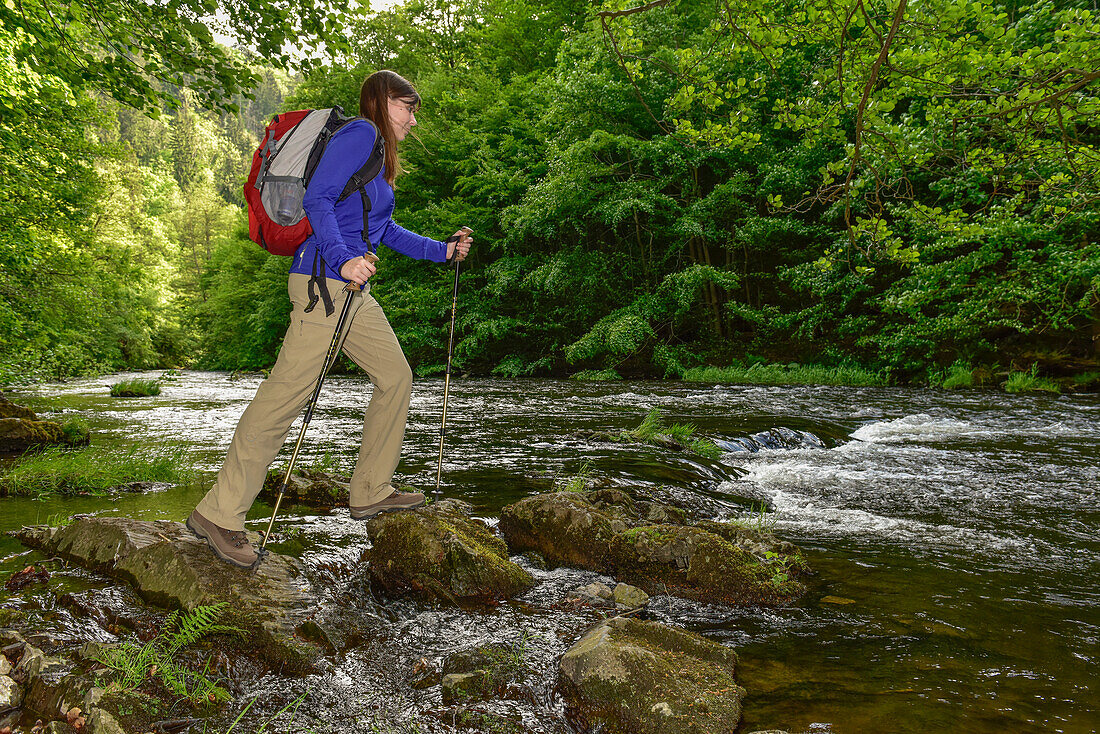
{"points": [[92, 470], [657, 189], [761, 373]]}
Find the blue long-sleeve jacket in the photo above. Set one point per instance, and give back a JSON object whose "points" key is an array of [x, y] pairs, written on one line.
{"points": [[338, 228]]}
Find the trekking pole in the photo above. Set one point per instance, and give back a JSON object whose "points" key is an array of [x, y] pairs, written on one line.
{"points": [[447, 375], [333, 349]]}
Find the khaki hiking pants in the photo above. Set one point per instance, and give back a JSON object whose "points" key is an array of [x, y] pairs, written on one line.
{"points": [[263, 428]]}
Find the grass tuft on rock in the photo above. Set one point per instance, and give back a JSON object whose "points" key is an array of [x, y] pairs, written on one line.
{"points": [[135, 388], [93, 471], [652, 430]]}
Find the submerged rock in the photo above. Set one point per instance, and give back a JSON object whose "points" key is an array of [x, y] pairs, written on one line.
{"points": [[482, 671], [440, 552], [608, 532], [170, 567], [626, 675]]}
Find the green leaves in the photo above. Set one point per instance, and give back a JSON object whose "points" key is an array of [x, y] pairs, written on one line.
{"points": [[142, 53]]}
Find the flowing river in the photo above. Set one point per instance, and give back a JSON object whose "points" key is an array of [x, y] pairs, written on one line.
{"points": [[954, 537]]}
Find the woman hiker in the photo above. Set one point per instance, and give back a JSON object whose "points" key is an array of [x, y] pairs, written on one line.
{"points": [[390, 102]]}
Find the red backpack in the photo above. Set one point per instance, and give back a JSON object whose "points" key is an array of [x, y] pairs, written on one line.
{"points": [[281, 170]]}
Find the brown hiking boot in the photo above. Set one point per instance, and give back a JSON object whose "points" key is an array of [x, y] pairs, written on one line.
{"points": [[231, 546], [396, 501]]}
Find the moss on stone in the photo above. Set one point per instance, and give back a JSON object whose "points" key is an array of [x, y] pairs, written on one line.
{"points": [[607, 531], [627, 675], [169, 567], [563, 527], [307, 487], [438, 552]]}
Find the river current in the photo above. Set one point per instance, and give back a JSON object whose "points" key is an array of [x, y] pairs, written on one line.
{"points": [[955, 538]]}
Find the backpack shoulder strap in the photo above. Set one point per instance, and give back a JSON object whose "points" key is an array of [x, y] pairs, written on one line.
{"points": [[370, 169]]}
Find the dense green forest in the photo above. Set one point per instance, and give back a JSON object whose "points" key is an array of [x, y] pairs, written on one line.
{"points": [[907, 187]]}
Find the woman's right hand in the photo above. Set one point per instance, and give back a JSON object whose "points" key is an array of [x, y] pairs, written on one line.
{"points": [[357, 270]]}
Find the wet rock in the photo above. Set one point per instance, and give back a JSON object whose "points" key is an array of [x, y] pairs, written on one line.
{"points": [[11, 695], [629, 597], [5, 665], [46, 639], [757, 542], [425, 675], [563, 527], [101, 722], [55, 691], [482, 671], [173, 726], [647, 678], [596, 594], [113, 608], [11, 616], [169, 567], [476, 719], [142, 487], [93, 650], [440, 552], [307, 487], [608, 532], [465, 686], [339, 624], [31, 663], [60, 727]]}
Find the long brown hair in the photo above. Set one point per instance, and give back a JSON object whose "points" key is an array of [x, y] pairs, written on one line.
{"points": [[378, 89]]}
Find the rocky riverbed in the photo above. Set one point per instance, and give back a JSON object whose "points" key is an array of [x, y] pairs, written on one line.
{"points": [[622, 674]]}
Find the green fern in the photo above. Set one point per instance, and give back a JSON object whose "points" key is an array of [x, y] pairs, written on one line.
{"points": [[134, 664], [184, 630]]}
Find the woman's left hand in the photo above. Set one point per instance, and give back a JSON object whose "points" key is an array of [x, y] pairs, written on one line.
{"points": [[461, 244]]}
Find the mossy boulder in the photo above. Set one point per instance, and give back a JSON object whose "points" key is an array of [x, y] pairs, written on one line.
{"points": [[171, 568], [9, 409], [19, 434], [578, 528], [21, 429], [440, 552], [634, 677], [608, 532], [316, 489]]}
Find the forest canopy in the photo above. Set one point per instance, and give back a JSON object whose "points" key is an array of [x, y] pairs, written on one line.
{"points": [[907, 187]]}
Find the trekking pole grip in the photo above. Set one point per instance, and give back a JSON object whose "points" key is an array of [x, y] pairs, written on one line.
{"points": [[369, 257]]}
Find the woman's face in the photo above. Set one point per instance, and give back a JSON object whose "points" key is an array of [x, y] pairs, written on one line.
{"points": [[402, 116]]}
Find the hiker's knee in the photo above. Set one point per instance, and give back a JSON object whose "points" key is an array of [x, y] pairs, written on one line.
{"points": [[397, 379]]}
